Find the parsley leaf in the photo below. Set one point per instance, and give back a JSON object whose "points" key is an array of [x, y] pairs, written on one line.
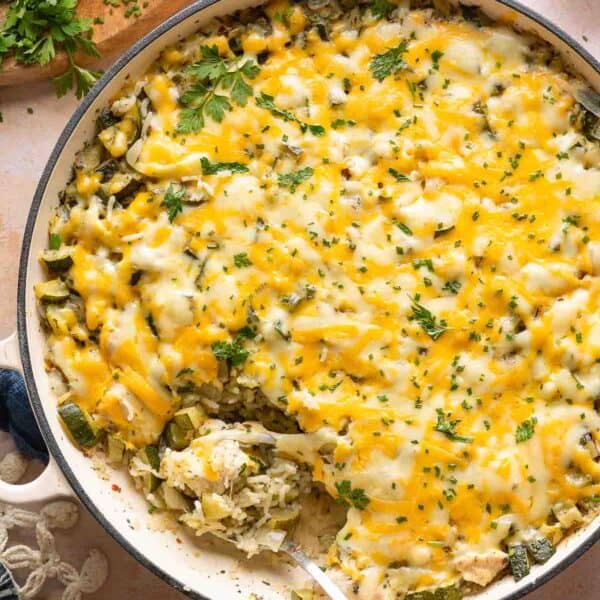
{"points": [[339, 123], [417, 263], [293, 179], [212, 73], [525, 430], [397, 175], [389, 62], [453, 286], [351, 497], [435, 58], [172, 202], [241, 260], [427, 320], [233, 352], [448, 428], [33, 32], [267, 102], [209, 168], [381, 8]]}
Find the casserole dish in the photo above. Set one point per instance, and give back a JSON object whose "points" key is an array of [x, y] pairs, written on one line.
{"points": [[91, 484]]}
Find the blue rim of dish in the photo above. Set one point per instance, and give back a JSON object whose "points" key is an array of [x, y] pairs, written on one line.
{"points": [[32, 391]]}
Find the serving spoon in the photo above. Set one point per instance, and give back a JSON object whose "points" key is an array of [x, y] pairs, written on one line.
{"points": [[293, 550]]}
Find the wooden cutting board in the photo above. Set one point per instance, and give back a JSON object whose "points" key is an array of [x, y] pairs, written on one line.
{"points": [[112, 37]]}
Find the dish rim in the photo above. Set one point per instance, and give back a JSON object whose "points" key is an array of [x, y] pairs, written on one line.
{"points": [[22, 321]]}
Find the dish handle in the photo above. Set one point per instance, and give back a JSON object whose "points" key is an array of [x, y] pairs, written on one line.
{"points": [[51, 482]]}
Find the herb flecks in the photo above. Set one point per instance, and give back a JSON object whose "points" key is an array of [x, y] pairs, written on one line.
{"points": [[213, 73], [268, 103], [172, 201], [429, 323], [233, 352], [448, 428], [525, 430], [212, 168], [389, 62], [351, 497], [293, 179]]}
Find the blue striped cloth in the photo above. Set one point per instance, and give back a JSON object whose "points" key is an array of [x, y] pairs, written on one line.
{"points": [[16, 416]]}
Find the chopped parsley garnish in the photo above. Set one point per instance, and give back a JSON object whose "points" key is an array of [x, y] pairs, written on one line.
{"points": [[404, 228], [448, 428], [293, 179], [172, 202], [525, 430], [267, 102], [233, 352], [351, 497], [389, 62], [242, 260], [452, 286], [435, 57], [339, 123], [397, 175], [210, 168], [427, 320], [381, 8], [212, 73], [417, 263]]}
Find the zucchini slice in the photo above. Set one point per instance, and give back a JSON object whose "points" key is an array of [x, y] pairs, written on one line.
{"points": [[78, 424], [174, 499], [518, 561], [54, 290], [540, 549], [150, 481], [115, 449], [176, 437], [189, 418], [442, 593], [58, 260]]}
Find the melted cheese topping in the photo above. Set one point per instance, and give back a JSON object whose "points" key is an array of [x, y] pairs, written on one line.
{"points": [[494, 230]]}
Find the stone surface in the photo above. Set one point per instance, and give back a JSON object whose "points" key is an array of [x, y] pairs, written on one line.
{"points": [[33, 119]]}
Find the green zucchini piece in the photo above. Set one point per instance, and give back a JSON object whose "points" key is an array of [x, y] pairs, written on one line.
{"points": [[58, 260], [54, 290], [115, 449], [443, 593], [88, 158], [78, 424], [176, 437], [189, 418], [150, 481], [518, 561], [149, 454], [174, 499], [541, 549]]}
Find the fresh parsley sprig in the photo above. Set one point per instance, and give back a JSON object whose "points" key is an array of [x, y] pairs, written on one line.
{"points": [[448, 428], [212, 168], [351, 497], [293, 179], [525, 430], [33, 32], [267, 102], [213, 73], [172, 201], [427, 320], [389, 62]]}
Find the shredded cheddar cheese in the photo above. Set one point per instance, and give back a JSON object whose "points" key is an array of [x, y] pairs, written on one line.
{"points": [[406, 259]]}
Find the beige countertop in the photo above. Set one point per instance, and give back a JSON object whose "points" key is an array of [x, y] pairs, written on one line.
{"points": [[32, 121]]}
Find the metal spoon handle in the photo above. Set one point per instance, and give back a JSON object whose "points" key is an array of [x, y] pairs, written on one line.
{"points": [[331, 589]]}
